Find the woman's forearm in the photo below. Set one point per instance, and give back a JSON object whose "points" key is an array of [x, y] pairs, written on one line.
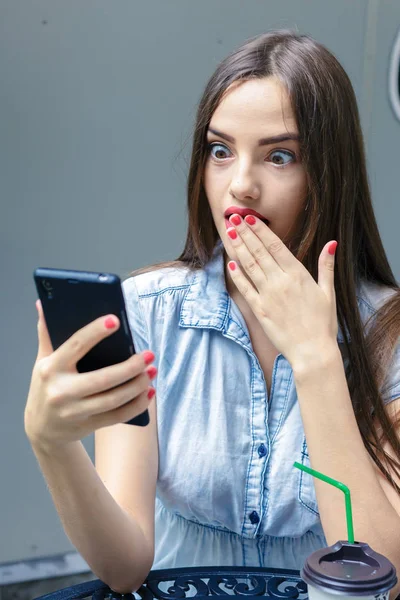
{"points": [[336, 449], [107, 537]]}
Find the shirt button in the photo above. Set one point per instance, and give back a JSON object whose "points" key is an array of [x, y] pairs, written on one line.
{"points": [[254, 518], [262, 451]]}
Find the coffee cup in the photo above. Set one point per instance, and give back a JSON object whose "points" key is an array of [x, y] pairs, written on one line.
{"points": [[348, 570]]}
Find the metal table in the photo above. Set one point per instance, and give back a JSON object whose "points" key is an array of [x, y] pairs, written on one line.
{"points": [[199, 582]]}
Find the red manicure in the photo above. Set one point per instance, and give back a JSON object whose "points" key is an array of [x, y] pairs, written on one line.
{"points": [[235, 219], [232, 234], [250, 219], [110, 323], [151, 372], [232, 266], [332, 248], [148, 357], [151, 393]]}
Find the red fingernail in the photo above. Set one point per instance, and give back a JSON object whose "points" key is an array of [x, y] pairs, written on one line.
{"points": [[232, 234], [332, 248], [232, 266], [151, 372], [148, 357], [250, 219], [110, 323], [151, 393], [235, 219]]}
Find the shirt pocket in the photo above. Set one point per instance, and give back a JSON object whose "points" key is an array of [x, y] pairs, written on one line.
{"points": [[307, 495]]}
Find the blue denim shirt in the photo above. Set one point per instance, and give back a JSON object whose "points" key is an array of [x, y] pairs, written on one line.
{"points": [[227, 491]]}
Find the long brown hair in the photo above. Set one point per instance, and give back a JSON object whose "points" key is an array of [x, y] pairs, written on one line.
{"points": [[340, 208]]}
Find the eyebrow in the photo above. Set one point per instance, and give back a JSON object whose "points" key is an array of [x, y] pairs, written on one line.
{"points": [[283, 137]]}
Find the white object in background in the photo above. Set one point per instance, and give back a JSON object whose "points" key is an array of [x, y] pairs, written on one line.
{"points": [[394, 77]]}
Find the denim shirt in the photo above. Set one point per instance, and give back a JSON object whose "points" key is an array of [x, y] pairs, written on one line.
{"points": [[227, 491]]}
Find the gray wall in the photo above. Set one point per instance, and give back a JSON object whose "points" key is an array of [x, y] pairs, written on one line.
{"points": [[97, 101]]}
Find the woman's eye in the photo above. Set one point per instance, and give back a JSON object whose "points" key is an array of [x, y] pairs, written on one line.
{"points": [[277, 158], [218, 151]]}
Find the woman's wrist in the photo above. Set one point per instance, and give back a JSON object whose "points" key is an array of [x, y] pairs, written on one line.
{"points": [[43, 447], [313, 359]]}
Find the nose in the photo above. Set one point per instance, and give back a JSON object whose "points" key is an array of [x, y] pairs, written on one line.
{"points": [[244, 185]]}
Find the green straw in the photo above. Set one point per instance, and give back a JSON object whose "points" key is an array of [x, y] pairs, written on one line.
{"points": [[341, 486]]}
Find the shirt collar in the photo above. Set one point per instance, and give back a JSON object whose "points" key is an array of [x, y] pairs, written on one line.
{"points": [[207, 302]]}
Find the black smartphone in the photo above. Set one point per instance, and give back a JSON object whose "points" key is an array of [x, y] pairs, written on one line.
{"points": [[71, 300]]}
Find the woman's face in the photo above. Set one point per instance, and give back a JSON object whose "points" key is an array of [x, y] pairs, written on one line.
{"points": [[245, 169]]}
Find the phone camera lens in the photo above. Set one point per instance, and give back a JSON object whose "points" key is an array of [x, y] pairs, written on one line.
{"points": [[47, 285]]}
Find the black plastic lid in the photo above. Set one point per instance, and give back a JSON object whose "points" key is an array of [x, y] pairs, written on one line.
{"points": [[353, 569]]}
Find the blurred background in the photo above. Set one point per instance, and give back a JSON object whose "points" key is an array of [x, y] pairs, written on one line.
{"points": [[97, 102]]}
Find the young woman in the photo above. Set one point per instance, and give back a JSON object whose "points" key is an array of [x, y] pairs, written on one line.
{"points": [[268, 348]]}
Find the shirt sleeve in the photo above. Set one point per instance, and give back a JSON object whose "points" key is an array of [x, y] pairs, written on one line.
{"points": [[136, 319], [391, 387]]}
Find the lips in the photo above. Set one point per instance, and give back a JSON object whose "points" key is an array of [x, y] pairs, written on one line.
{"points": [[242, 212]]}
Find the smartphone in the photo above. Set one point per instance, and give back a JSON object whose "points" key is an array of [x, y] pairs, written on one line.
{"points": [[71, 300]]}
